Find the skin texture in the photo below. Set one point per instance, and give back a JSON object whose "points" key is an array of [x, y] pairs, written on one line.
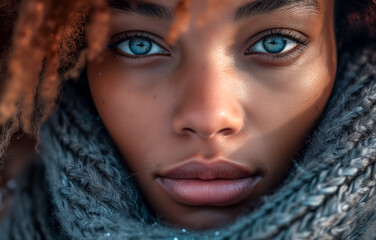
{"points": [[205, 98]]}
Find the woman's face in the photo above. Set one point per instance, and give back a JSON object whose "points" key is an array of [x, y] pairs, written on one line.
{"points": [[211, 121]]}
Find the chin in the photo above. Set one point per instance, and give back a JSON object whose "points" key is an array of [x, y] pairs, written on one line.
{"points": [[205, 218]]}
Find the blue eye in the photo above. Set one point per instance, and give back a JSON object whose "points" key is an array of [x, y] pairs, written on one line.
{"points": [[139, 46], [274, 45]]}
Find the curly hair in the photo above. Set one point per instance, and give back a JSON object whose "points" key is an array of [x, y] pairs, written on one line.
{"points": [[48, 39], [44, 42]]}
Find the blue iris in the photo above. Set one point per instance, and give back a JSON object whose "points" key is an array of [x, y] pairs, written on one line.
{"points": [[274, 44], [140, 46]]}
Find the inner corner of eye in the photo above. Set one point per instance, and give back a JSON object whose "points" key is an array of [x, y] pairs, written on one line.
{"points": [[112, 45]]}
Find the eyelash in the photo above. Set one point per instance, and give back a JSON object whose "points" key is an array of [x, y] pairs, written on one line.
{"points": [[300, 39], [292, 35], [125, 36]]}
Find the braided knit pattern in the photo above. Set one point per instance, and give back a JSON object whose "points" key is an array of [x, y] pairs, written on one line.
{"points": [[89, 184], [330, 193]]}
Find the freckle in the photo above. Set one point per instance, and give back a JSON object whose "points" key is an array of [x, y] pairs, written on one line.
{"points": [[130, 117], [155, 96], [103, 102], [316, 108]]}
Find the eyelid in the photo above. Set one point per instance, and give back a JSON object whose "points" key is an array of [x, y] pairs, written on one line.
{"points": [[124, 36], [293, 35]]}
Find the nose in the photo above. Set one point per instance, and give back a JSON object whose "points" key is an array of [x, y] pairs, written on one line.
{"points": [[208, 104]]}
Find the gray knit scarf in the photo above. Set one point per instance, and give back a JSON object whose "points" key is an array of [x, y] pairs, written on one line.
{"points": [[79, 189]]}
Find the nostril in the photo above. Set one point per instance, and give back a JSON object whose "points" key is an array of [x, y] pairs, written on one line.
{"points": [[207, 121], [226, 131], [223, 132], [189, 130]]}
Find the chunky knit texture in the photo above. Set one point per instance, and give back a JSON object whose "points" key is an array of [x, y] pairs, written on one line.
{"points": [[81, 190]]}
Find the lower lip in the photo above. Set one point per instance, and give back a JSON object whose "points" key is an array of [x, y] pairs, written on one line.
{"points": [[216, 192]]}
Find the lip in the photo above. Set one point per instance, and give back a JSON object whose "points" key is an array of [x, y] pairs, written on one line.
{"points": [[208, 183]]}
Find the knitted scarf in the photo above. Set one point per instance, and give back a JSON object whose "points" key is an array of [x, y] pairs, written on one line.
{"points": [[79, 189]]}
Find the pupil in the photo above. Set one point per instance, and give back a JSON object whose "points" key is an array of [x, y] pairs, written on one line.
{"points": [[274, 44], [139, 46]]}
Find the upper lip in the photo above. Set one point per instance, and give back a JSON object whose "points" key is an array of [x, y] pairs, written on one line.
{"points": [[207, 170]]}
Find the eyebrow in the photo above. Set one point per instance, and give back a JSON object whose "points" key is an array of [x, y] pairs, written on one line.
{"points": [[253, 8], [143, 8], [259, 7]]}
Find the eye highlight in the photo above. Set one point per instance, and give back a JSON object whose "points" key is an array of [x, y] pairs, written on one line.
{"points": [[136, 45]]}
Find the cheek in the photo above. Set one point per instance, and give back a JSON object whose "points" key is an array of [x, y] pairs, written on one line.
{"points": [[130, 116], [282, 109]]}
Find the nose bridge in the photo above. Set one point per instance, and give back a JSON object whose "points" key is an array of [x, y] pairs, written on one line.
{"points": [[211, 91], [206, 85], [208, 104]]}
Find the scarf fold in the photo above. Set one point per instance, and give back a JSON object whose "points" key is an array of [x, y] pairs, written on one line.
{"points": [[329, 194]]}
